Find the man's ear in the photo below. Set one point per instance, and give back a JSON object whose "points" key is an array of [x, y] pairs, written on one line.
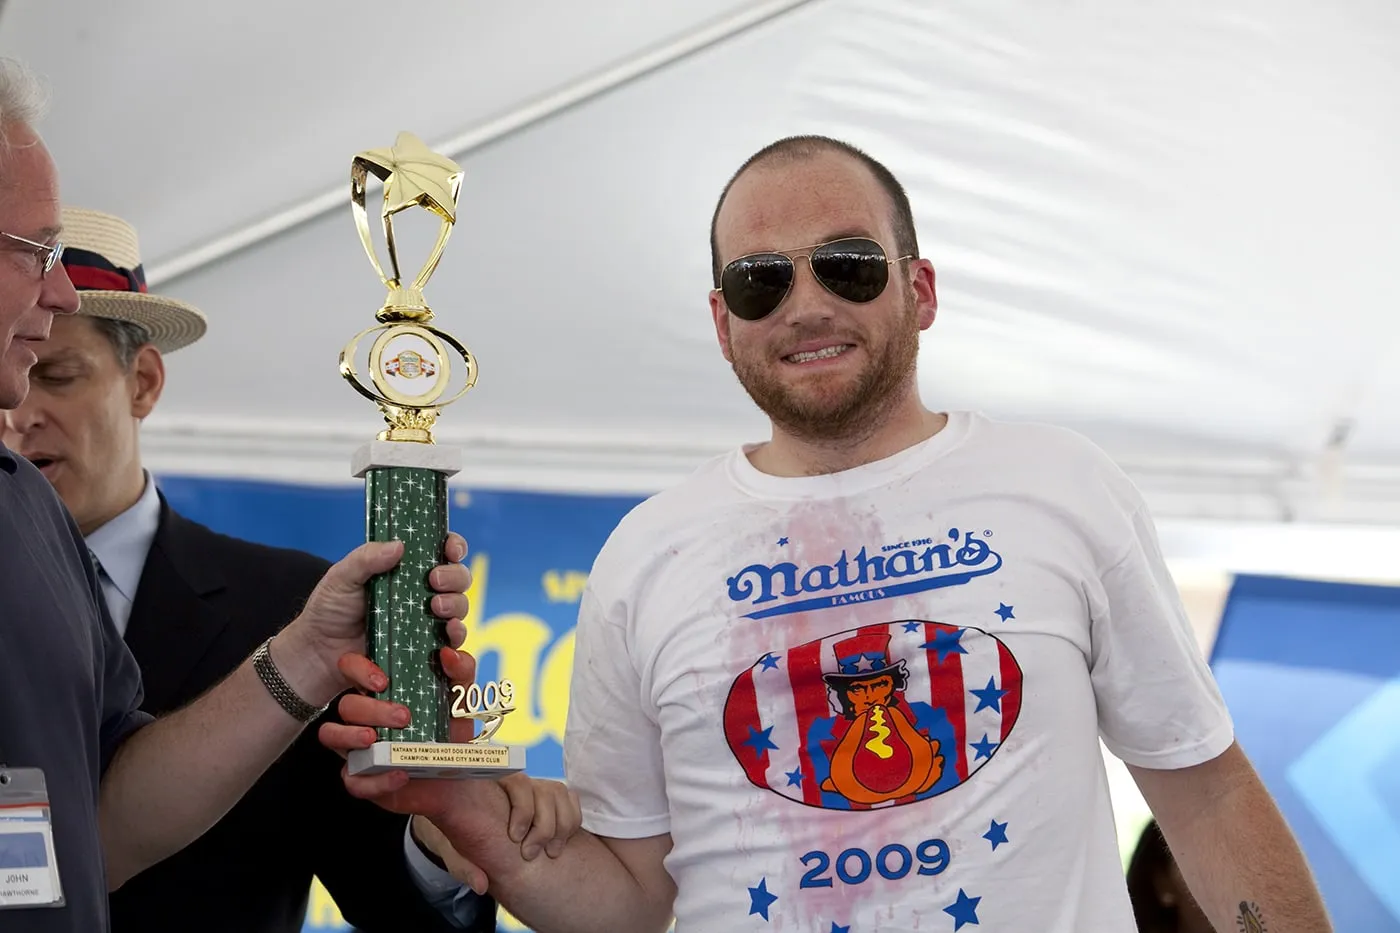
{"points": [[147, 379], [720, 313]]}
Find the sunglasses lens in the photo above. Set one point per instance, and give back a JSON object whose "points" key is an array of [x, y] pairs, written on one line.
{"points": [[754, 285], [853, 269]]}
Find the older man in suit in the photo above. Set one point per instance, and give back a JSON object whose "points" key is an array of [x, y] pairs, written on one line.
{"points": [[192, 605]]}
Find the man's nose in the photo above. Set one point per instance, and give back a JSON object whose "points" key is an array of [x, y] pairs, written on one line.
{"points": [[59, 296], [808, 301]]}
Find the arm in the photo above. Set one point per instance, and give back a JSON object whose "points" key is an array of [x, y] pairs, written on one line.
{"points": [[613, 878], [451, 895], [1233, 847], [594, 884], [543, 816], [1162, 714], [172, 780], [358, 852]]}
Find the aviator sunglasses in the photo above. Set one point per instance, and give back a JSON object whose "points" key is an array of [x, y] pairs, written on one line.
{"points": [[853, 269]]}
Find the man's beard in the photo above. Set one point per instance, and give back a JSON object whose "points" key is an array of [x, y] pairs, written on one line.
{"points": [[825, 415]]}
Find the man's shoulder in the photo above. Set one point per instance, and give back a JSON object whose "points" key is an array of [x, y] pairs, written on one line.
{"points": [[1055, 441], [696, 497], [663, 522], [239, 556]]}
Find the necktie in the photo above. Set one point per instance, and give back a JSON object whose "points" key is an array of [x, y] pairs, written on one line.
{"points": [[110, 593]]}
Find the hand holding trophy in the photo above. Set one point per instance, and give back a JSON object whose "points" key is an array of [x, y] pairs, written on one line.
{"points": [[405, 473]]}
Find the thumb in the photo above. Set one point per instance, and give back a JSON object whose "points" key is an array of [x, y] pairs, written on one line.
{"points": [[460, 668], [355, 569]]}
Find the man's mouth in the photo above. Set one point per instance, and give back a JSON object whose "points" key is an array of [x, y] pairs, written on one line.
{"points": [[44, 464], [825, 353]]}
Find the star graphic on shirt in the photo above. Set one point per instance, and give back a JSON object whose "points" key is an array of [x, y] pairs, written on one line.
{"points": [[760, 900], [911, 626], [794, 778], [835, 928], [769, 662], [984, 748], [963, 910], [945, 643], [760, 740], [782, 542], [996, 835], [866, 663], [1004, 611], [988, 696]]}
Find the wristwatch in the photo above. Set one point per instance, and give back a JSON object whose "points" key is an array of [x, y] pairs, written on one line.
{"points": [[281, 691]]}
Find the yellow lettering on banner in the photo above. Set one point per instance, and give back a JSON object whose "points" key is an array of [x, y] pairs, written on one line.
{"points": [[564, 586], [505, 921], [525, 656], [321, 911]]}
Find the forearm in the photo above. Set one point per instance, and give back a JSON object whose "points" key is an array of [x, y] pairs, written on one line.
{"points": [[1242, 864], [177, 777], [587, 888]]}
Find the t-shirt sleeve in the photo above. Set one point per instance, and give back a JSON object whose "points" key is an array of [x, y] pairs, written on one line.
{"points": [[120, 692], [612, 747], [1158, 703]]}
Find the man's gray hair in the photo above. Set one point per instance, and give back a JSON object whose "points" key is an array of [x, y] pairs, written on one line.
{"points": [[126, 337], [23, 99]]}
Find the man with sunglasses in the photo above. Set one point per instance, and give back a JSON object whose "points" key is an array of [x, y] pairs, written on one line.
{"points": [[94, 790], [855, 677]]}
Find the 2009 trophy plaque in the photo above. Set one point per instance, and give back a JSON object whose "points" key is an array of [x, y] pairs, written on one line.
{"points": [[405, 473]]}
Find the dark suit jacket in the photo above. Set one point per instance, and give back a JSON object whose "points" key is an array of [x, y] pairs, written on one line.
{"points": [[205, 602]]}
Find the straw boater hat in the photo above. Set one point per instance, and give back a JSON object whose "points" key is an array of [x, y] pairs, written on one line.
{"points": [[103, 259]]}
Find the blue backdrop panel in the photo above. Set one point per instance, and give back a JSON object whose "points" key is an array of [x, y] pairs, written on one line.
{"points": [[530, 555], [1311, 672]]}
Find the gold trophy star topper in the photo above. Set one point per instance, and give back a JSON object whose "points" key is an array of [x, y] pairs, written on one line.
{"points": [[413, 176], [408, 363]]}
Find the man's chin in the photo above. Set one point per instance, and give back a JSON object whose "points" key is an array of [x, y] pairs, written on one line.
{"points": [[13, 391]]}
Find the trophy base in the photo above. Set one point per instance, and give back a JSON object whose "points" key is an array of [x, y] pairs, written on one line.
{"points": [[438, 760]]}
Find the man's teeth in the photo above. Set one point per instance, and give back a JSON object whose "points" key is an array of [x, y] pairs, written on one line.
{"points": [[825, 353]]}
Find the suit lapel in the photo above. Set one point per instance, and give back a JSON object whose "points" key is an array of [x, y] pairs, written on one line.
{"points": [[174, 620]]}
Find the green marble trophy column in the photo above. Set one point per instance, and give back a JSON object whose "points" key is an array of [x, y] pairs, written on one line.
{"points": [[408, 504], [405, 472]]}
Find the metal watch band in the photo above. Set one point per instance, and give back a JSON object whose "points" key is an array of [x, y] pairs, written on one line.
{"points": [[281, 691]]}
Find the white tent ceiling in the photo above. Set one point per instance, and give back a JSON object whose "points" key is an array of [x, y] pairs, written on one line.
{"points": [[1170, 226]]}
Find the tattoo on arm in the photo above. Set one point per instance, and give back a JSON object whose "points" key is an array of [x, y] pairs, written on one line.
{"points": [[1249, 920]]}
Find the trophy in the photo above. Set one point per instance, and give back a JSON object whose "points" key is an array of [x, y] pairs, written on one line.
{"points": [[405, 474]]}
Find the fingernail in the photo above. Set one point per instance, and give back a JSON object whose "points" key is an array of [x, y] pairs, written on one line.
{"points": [[401, 716], [530, 852], [379, 682]]}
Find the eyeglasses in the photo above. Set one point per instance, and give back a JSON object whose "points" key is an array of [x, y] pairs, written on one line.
{"points": [[51, 253], [854, 269]]}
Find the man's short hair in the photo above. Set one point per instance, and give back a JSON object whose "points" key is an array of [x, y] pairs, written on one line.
{"points": [[796, 148], [125, 337], [23, 100]]}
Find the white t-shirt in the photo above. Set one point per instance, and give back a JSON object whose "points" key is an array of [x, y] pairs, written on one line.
{"points": [[872, 700]]}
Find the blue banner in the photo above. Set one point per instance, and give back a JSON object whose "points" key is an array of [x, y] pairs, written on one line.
{"points": [[530, 554], [1311, 673]]}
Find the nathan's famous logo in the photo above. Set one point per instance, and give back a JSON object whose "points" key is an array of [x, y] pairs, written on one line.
{"points": [[908, 567], [410, 365], [881, 715]]}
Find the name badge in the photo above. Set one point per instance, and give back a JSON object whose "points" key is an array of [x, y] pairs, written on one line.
{"points": [[28, 863]]}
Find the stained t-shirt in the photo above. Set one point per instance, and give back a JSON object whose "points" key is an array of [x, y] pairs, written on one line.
{"points": [[873, 700], [69, 688]]}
